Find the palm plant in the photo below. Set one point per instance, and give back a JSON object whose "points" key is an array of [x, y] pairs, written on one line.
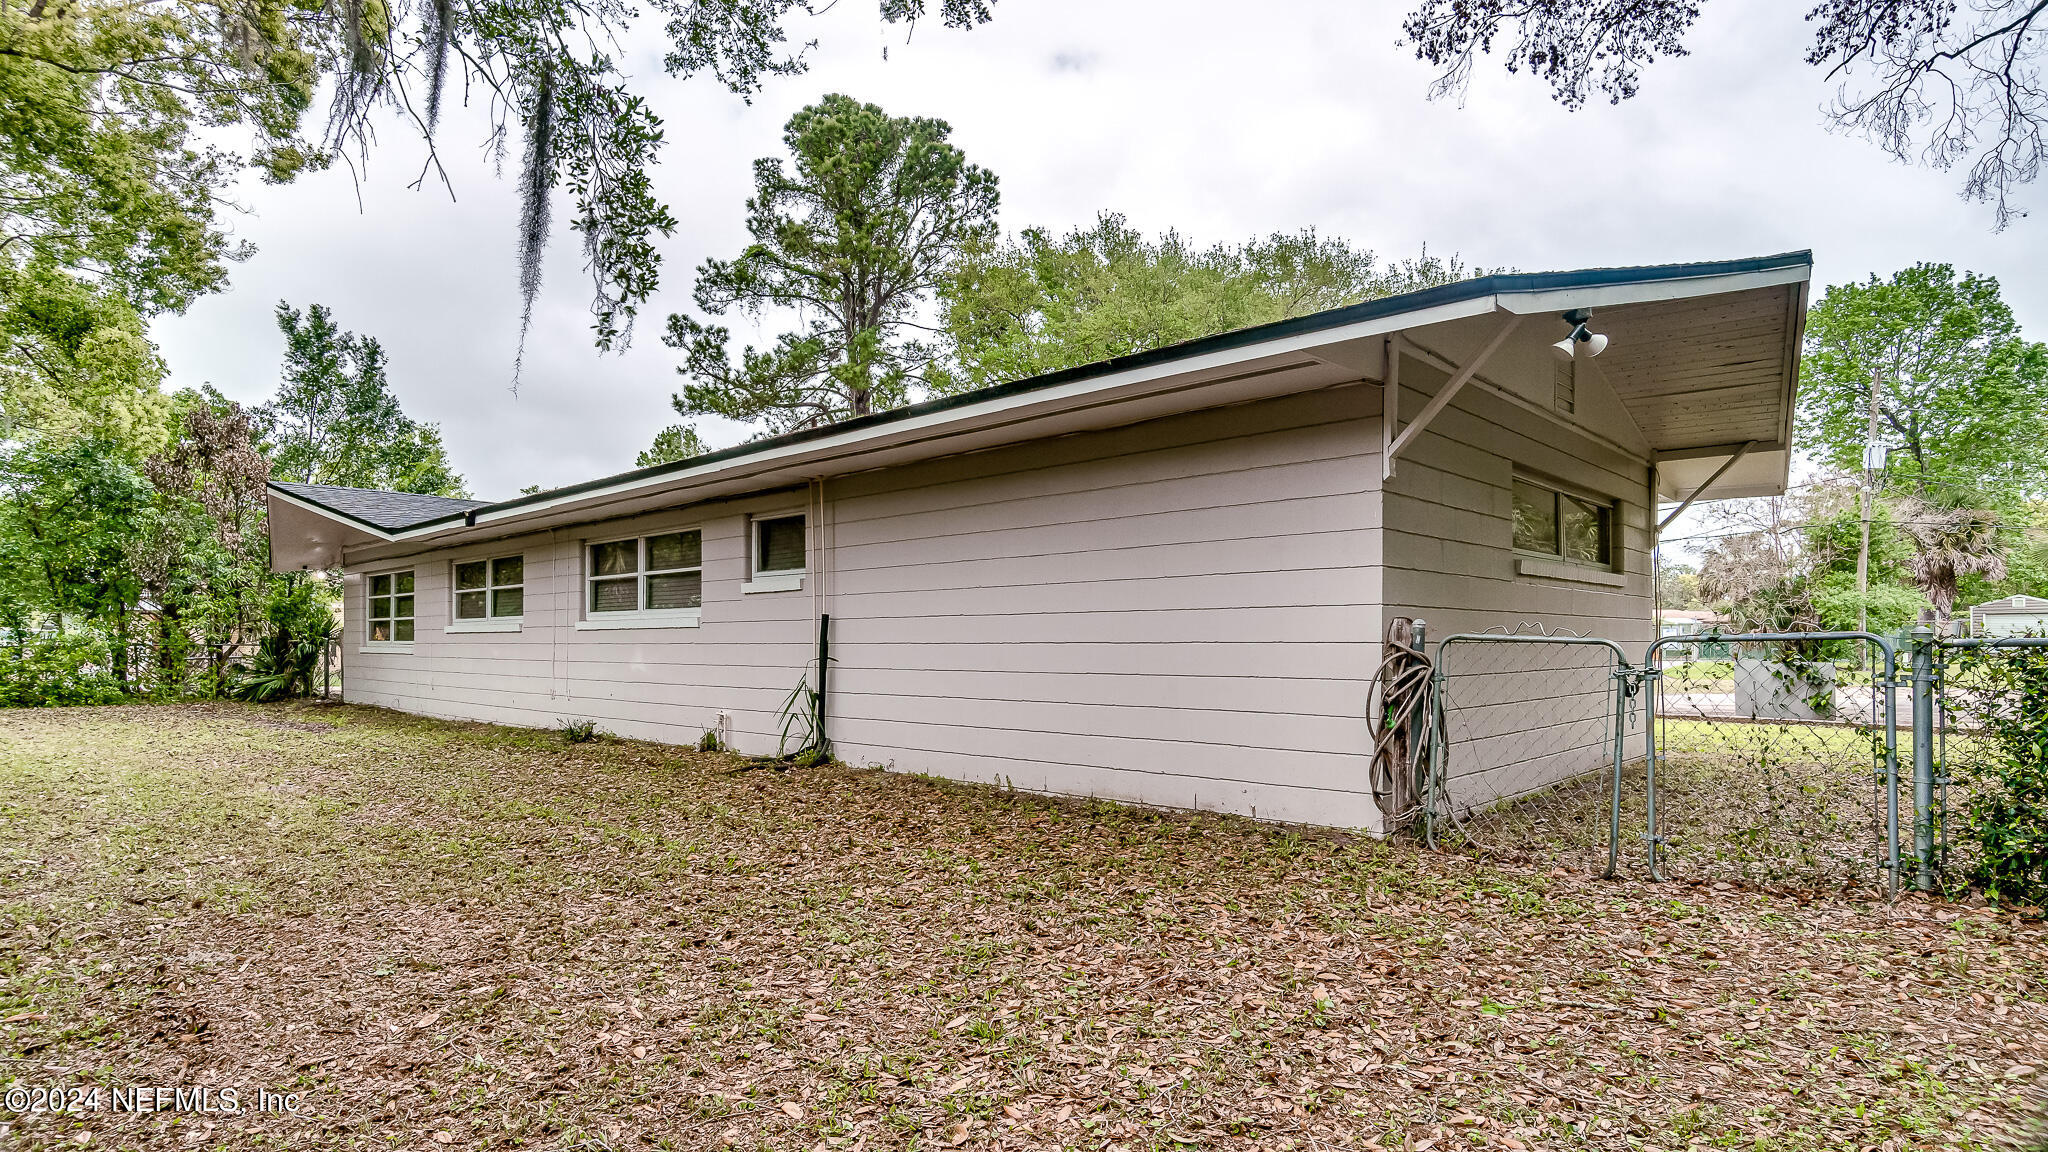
{"points": [[285, 665], [1950, 540], [287, 660]]}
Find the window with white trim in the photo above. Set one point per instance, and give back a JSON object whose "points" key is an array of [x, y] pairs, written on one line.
{"points": [[1563, 526], [493, 589], [661, 575], [779, 544], [777, 552], [390, 609]]}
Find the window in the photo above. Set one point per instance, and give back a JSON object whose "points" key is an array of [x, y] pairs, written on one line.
{"points": [[778, 554], [391, 609], [490, 595], [1562, 525], [490, 589], [645, 580], [779, 544]]}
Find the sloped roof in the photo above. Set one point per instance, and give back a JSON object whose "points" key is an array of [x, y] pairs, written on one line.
{"points": [[1715, 417], [390, 511], [2010, 604]]}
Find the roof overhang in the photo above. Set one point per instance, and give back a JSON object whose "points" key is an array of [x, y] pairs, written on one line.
{"points": [[1649, 383], [305, 535]]}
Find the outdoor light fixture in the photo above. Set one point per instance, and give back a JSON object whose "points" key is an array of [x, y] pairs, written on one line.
{"points": [[1592, 343]]}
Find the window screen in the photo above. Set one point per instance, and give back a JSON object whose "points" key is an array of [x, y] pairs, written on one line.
{"points": [[648, 574], [779, 544], [1535, 518], [490, 588], [675, 570]]}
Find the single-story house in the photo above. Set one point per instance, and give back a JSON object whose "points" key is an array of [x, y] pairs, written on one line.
{"points": [[1163, 578], [2010, 616], [1675, 622]]}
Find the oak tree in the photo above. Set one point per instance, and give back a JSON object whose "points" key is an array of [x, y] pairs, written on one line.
{"points": [[1948, 82], [1962, 394], [1042, 302]]}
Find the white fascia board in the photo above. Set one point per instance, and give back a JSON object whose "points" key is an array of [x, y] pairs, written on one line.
{"points": [[968, 417], [1615, 295]]}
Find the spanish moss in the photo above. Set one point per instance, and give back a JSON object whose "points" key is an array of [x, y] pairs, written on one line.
{"points": [[437, 19], [535, 182], [362, 55]]}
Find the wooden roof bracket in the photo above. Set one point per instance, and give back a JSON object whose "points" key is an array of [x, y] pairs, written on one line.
{"points": [[1390, 403], [1391, 444], [1718, 473]]}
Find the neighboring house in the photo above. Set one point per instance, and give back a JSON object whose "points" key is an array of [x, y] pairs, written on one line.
{"points": [[1691, 622], [1163, 578], [2010, 616]]}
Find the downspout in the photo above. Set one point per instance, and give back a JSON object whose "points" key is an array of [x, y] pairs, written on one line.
{"points": [[821, 555]]}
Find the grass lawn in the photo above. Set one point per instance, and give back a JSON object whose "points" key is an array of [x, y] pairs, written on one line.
{"points": [[457, 935]]}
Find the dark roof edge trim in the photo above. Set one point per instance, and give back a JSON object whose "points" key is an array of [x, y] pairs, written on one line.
{"points": [[271, 487]]}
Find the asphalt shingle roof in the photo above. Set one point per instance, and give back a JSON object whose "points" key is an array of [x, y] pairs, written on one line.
{"points": [[390, 511]]}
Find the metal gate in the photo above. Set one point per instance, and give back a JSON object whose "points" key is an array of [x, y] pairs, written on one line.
{"points": [[1990, 741], [1777, 763], [1531, 743], [1771, 758]]}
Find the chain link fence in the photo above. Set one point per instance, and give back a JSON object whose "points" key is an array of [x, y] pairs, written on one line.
{"points": [[1532, 729], [1776, 760], [209, 671], [1807, 761], [1776, 757]]}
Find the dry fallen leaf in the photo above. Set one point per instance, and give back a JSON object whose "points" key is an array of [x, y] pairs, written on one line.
{"points": [[794, 1109], [956, 1135], [656, 886]]}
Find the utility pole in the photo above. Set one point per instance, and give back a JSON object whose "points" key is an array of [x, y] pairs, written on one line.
{"points": [[1873, 459]]}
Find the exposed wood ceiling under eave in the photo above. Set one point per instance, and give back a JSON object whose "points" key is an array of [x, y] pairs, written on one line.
{"points": [[1713, 373], [1710, 371]]}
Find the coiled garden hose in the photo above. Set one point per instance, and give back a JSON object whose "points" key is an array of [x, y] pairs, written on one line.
{"points": [[1398, 701]]}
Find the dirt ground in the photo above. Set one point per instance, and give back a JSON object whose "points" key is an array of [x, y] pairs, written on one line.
{"points": [[437, 935]]}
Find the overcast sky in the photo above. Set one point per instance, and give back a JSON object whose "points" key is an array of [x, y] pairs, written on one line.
{"points": [[1224, 120]]}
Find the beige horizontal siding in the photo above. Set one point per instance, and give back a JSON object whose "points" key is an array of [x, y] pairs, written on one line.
{"points": [[667, 684], [1182, 612], [1519, 717]]}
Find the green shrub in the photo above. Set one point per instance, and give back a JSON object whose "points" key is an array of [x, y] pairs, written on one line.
{"points": [[49, 671], [2006, 818]]}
